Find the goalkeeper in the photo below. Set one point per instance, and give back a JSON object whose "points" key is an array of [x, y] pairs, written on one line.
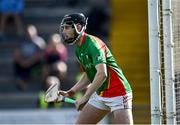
{"points": [[108, 90]]}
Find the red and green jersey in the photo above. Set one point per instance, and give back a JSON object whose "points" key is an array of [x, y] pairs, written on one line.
{"points": [[92, 52]]}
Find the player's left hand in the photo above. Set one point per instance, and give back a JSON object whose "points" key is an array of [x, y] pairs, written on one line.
{"points": [[80, 103]]}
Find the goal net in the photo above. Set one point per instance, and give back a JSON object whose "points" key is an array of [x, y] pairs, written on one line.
{"points": [[176, 40]]}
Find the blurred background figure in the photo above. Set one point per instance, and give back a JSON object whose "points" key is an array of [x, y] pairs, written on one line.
{"points": [[55, 67], [28, 57], [33, 34], [11, 9], [55, 59]]}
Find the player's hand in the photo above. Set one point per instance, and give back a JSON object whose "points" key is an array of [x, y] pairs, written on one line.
{"points": [[80, 103], [68, 93]]}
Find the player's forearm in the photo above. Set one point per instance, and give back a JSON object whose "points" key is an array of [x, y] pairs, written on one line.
{"points": [[81, 84], [100, 77]]}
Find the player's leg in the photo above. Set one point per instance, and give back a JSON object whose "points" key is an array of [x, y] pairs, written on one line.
{"points": [[121, 108], [91, 115], [123, 116]]}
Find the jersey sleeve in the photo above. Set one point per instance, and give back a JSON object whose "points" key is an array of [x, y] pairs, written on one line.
{"points": [[98, 54]]}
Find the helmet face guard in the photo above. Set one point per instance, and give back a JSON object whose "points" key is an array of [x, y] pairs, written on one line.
{"points": [[72, 20]]}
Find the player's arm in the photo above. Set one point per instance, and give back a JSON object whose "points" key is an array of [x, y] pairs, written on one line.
{"points": [[99, 78], [80, 85]]}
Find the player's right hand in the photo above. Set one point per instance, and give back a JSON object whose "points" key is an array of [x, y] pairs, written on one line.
{"points": [[68, 93]]}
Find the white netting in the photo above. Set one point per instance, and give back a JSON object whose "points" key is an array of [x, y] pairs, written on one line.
{"points": [[176, 39], [162, 63]]}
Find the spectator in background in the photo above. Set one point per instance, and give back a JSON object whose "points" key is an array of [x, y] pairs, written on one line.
{"points": [[13, 9], [55, 67], [28, 57], [55, 58], [33, 34]]}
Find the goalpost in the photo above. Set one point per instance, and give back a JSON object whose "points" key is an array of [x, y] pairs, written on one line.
{"points": [[154, 62], [164, 54]]}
